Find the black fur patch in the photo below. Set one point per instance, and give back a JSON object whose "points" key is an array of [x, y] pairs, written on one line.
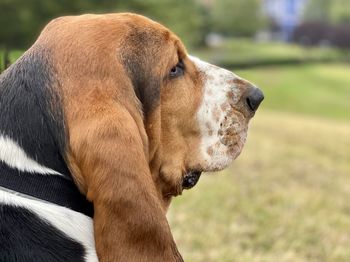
{"points": [[24, 237], [31, 114], [52, 188], [139, 58], [31, 111]]}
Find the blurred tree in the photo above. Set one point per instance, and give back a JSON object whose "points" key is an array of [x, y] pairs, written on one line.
{"points": [[236, 17], [340, 12], [184, 17], [326, 22], [318, 10], [328, 11], [22, 20]]}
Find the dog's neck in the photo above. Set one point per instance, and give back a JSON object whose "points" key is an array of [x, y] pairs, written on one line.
{"points": [[31, 112], [32, 133]]}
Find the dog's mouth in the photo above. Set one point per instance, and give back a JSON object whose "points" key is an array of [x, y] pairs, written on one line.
{"points": [[190, 179]]}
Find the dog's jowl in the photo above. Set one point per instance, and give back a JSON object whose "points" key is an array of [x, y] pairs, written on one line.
{"points": [[102, 121]]}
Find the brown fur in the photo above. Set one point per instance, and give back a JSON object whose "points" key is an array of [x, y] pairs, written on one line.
{"points": [[131, 128]]}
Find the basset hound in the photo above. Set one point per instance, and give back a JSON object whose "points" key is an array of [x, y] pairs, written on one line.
{"points": [[102, 121]]}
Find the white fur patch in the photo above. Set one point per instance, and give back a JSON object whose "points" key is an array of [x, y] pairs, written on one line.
{"points": [[217, 119], [73, 224], [14, 156]]}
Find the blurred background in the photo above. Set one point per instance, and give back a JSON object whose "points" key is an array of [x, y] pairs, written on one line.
{"points": [[287, 197]]}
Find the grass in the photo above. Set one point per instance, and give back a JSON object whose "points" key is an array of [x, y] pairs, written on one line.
{"points": [[246, 52], [284, 199], [13, 56], [315, 89]]}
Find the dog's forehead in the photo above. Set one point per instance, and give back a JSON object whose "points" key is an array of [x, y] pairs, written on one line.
{"points": [[107, 24], [110, 34]]}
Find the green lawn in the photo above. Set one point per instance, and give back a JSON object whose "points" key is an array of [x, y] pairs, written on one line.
{"points": [[244, 51], [286, 198], [14, 55], [317, 89]]}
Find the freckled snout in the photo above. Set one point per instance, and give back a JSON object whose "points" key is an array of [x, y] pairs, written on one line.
{"points": [[229, 103], [254, 97]]}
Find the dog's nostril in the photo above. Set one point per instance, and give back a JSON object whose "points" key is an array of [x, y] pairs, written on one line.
{"points": [[254, 98], [249, 104]]}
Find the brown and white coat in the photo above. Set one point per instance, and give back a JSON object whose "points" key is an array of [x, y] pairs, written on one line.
{"points": [[115, 103]]}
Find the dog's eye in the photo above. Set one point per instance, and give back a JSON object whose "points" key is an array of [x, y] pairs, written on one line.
{"points": [[177, 70]]}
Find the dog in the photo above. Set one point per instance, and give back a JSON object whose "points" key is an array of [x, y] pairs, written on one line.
{"points": [[102, 122]]}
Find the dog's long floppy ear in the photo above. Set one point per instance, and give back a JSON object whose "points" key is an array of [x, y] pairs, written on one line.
{"points": [[129, 221], [108, 150], [108, 153]]}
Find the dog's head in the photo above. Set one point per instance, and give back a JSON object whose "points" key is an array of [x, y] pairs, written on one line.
{"points": [[116, 102], [191, 116]]}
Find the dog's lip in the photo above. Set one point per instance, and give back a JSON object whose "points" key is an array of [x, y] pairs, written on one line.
{"points": [[191, 178]]}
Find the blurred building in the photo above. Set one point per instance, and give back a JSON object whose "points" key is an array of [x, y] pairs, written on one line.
{"points": [[285, 16]]}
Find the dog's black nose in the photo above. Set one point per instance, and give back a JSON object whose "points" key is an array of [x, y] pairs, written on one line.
{"points": [[254, 97]]}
